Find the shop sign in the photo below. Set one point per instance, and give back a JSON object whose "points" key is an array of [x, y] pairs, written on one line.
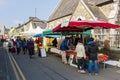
{"points": [[65, 22]]}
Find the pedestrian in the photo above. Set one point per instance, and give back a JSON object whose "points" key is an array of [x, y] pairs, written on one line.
{"points": [[18, 45], [80, 57], [24, 45], [13, 49], [64, 46], [39, 45], [54, 42], [30, 46], [92, 50], [10, 45]]}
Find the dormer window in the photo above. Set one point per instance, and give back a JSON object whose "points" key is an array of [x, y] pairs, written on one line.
{"points": [[79, 19]]}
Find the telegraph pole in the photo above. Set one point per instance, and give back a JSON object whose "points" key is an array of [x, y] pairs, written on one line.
{"points": [[35, 12]]}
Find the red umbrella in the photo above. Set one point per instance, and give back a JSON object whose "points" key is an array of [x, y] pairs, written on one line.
{"points": [[80, 26], [60, 28], [103, 24]]}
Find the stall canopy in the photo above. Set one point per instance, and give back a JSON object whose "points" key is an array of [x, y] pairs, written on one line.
{"points": [[81, 26], [50, 32], [38, 35], [52, 36]]}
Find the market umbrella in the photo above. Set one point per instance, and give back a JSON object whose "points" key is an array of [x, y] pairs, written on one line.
{"points": [[38, 35], [52, 36], [81, 26], [50, 32]]}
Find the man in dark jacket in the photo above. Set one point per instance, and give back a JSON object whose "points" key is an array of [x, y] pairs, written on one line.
{"points": [[30, 46], [63, 47], [91, 51]]}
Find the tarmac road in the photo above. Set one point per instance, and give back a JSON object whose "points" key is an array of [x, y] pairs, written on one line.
{"points": [[48, 68], [51, 68]]}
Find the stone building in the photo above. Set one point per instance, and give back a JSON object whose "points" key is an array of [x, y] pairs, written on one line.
{"points": [[2, 31], [102, 10], [31, 27]]}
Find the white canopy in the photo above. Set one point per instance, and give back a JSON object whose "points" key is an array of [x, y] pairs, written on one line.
{"points": [[32, 31]]}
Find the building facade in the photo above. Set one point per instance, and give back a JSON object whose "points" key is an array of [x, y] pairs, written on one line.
{"points": [[30, 28], [2, 31], [102, 10]]}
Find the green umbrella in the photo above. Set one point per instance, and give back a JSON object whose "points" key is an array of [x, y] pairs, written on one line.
{"points": [[50, 32]]}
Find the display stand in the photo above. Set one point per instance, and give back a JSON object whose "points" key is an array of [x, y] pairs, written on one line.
{"points": [[43, 52]]}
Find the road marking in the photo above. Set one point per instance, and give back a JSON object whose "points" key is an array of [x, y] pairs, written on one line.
{"points": [[14, 69], [18, 68]]}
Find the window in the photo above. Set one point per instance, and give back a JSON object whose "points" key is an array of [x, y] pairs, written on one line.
{"points": [[79, 19]]}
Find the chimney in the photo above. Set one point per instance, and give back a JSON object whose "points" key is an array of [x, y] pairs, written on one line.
{"points": [[31, 18]]}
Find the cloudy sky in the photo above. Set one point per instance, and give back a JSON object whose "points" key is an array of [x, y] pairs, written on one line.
{"points": [[14, 12]]}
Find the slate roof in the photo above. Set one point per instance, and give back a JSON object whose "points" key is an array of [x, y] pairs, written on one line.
{"points": [[97, 13], [98, 2], [103, 2], [41, 24], [64, 8], [67, 7], [36, 22]]}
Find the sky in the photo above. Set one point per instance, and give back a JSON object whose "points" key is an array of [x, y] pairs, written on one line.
{"points": [[14, 12]]}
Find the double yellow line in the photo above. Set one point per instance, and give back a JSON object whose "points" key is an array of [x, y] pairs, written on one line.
{"points": [[18, 73]]}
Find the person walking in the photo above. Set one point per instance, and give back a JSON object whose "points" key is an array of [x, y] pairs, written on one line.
{"points": [[10, 45], [30, 46], [24, 45], [64, 46], [18, 45], [80, 57], [91, 50]]}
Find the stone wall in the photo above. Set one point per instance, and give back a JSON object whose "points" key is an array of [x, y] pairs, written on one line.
{"points": [[81, 12]]}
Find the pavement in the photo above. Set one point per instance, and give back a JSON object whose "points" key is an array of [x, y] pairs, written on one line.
{"points": [[50, 68]]}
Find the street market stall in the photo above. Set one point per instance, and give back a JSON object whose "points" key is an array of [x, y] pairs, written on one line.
{"points": [[50, 34], [81, 26]]}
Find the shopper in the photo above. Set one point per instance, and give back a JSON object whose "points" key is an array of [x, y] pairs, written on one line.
{"points": [[91, 50], [24, 45], [64, 46], [18, 45], [30, 46], [80, 57], [10, 45]]}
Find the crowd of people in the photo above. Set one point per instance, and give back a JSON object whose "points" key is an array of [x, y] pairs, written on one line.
{"points": [[88, 51], [18, 45]]}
